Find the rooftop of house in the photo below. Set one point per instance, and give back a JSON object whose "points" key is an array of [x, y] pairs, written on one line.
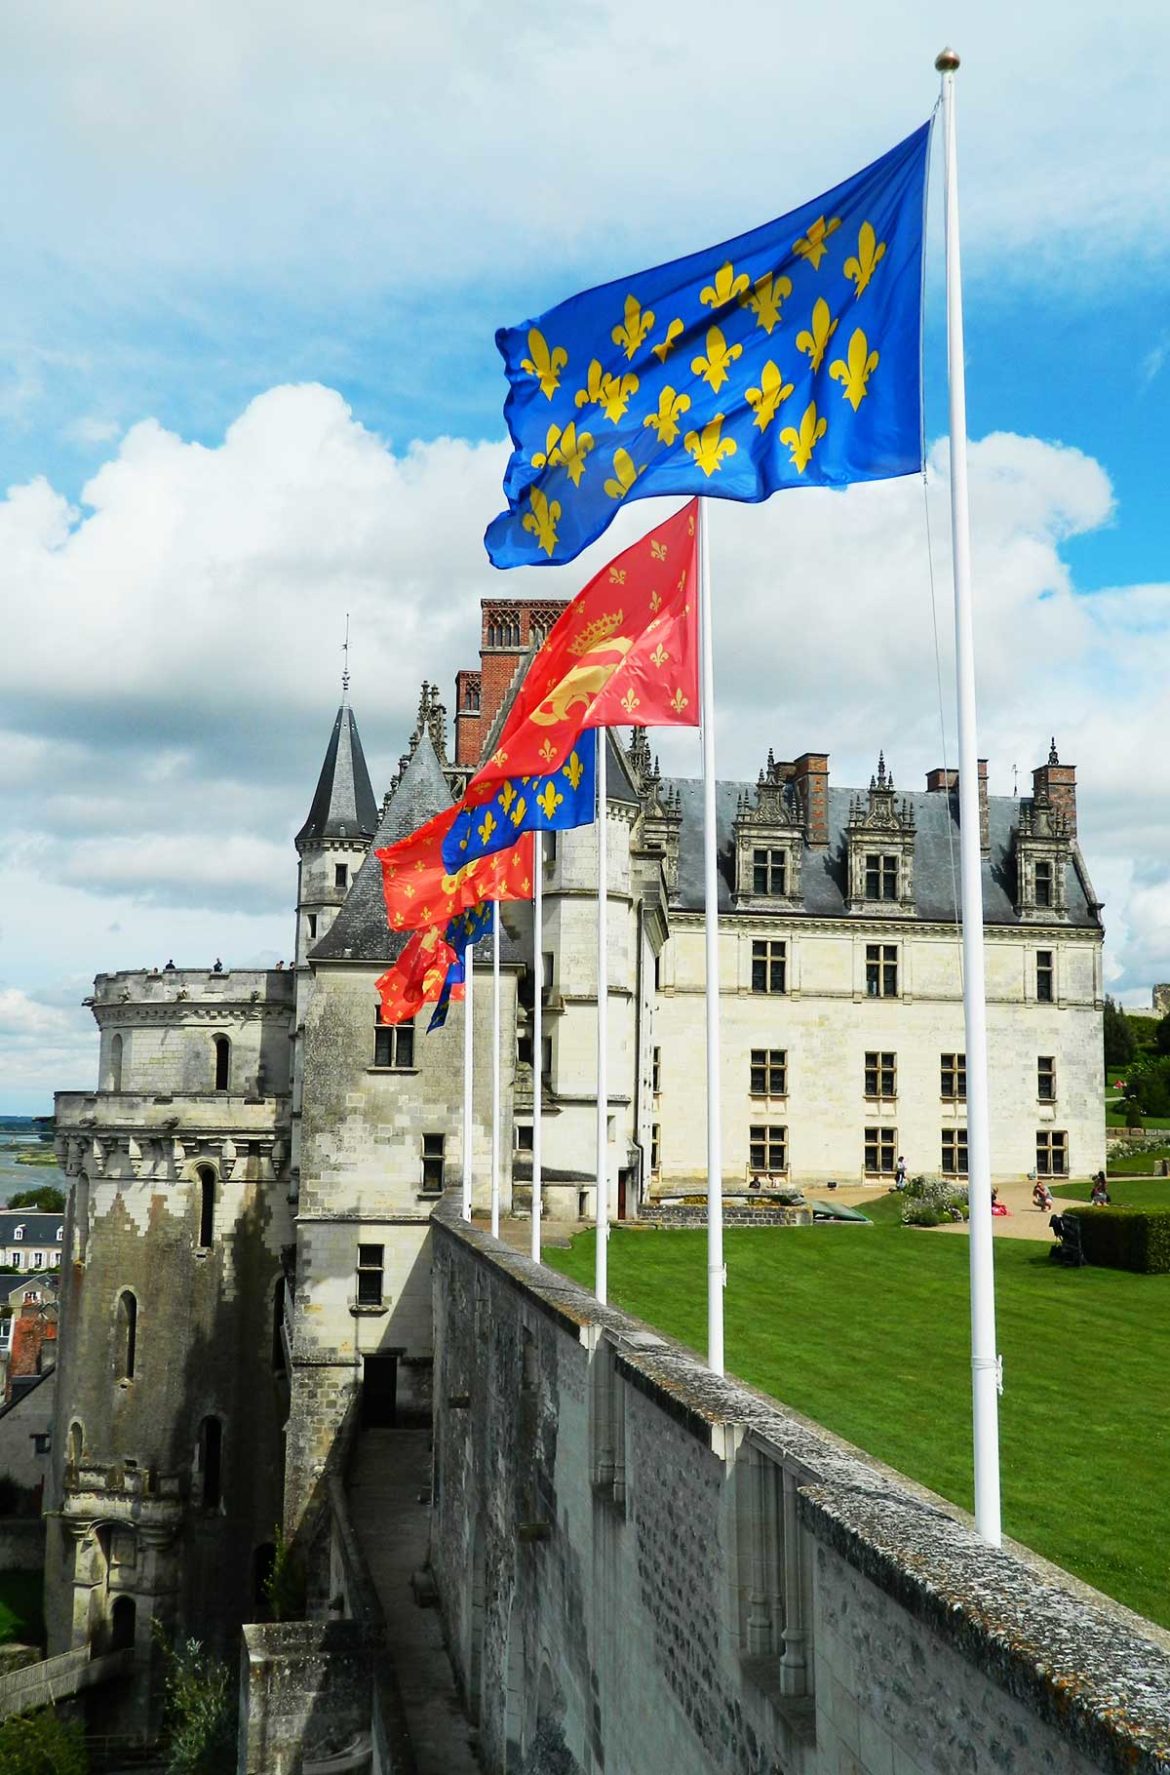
{"points": [[39, 1229]]}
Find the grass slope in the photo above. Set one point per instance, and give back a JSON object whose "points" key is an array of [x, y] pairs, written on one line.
{"points": [[866, 1330]]}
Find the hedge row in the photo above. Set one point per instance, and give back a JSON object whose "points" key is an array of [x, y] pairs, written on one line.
{"points": [[1127, 1238]]}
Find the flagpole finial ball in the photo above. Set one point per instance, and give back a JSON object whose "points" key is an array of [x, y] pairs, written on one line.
{"points": [[947, 61]]}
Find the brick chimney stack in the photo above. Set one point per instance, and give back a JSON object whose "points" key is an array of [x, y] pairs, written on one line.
{"points": [[811, 776], [942, 782], [946, 782], [468, 719], [1056, 783]]}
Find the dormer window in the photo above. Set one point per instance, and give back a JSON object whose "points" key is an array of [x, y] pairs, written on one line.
{"points": [[60, 1232], [769, 872], [1043, 883], [18, 1232], [881, 877]]}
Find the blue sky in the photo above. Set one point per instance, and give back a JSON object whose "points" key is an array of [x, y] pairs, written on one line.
{"points": [[253, 263]]}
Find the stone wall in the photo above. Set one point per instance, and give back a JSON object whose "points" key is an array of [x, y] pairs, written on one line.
{"points": [[22, 1543], [643, 1567]]}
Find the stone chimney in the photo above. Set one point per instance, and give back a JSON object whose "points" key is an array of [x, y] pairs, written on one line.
{"points": [[946, 782], [811, 776], [1056, 784]]}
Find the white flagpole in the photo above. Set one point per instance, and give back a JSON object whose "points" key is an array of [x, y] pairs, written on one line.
{"points": [[602, 1276], [495, 1069], [716, 1274], [985, 1374], [468, 1077], [537, 1008]]}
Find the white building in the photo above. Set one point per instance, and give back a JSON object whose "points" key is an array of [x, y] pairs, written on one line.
{"points": [[30, 1240]]}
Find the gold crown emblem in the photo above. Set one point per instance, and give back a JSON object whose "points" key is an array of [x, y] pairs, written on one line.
{"points": [[594, 633]]}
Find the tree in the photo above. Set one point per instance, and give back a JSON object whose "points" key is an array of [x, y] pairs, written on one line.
{"points": [[1119, 1037], [200, 1710], [42, 1743], [1162, 1035], [46, 1199]]}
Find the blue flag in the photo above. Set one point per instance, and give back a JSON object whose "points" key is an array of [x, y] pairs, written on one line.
{"points": [[462, 933], [788, 357], [565, 798]]}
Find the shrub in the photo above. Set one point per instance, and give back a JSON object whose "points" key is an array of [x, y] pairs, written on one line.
{"points": [[1127, 1238], [200, 1712], [284, 1587], [931, 1201], [1133, 1114]]}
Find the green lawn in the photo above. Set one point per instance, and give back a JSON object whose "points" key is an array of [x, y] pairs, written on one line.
{"points": [[1124, 1192], [21, 1616], [866, 1330], [1137, 1164]]}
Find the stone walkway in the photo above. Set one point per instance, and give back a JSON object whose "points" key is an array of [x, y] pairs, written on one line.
{"points": [[391, 1470]]}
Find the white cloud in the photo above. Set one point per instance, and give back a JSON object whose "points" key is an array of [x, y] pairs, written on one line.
{"points": [[174, 663], [89, 431]]}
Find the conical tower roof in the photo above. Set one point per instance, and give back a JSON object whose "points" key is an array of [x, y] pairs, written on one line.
{"points": [[360, 932], [343, 806]]}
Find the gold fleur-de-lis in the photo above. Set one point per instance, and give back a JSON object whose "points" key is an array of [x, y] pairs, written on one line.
{"points": [[855, 369], [544, 364], [678, 702], [548, 751], [655, 601], [659, 657], [765, 400], [870, 253], [630, 701], [813, 343], [408, 890], [682, 578], [541, 521], [424, 912], [573, 769], [519, 811], [500, 756], [657, 549], [507, 796], [802, 443], [617, 576], [714, 367], [548, 800], [765, 296], [610, 393], [813, 245], [724, 287], [568, 448], [624, 475], [666, 344], [486, 826], [630, 333], [708, 448], [664, 423]]}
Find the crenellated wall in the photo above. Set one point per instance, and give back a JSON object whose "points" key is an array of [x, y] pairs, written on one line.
{"points": [[647, 1569]]}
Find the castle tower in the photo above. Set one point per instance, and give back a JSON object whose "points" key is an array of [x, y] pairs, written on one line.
{"points": [[334, 839], [172, 1386]]}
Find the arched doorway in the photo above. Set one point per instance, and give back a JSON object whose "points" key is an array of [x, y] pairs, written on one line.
{"points": [[123, 1622]]}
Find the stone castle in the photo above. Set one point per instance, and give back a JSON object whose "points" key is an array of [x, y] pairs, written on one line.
{"points": [[262, 1264]]}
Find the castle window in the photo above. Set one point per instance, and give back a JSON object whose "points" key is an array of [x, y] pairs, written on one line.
{"points": [[769, 966], [881, 877], [881, 970], [1046, 1078], [655, 1148], [1051, 1153], [1043, 882], [75, 1443], [311, 919], [211, 1462], [393, 1043], [953, 1077], [769, 872], [341, 875], [370, 1275], [116, 1064], [432, 1162], [126, 1335], [206, 1178], [523, 1137], [123, 1623], [881, 1073], [656, 1070], [767, 1150], [768, 1074], [470, 696], [503, 629], [954, 1152], [223, 1060], [881, 1145], [1044, 976]]}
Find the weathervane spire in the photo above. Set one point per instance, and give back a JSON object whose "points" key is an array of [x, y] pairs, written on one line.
{"points": [[345, 665]]}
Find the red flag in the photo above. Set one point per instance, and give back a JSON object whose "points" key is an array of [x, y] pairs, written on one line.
{"points": [[417, 977], [624, 653], [420, 890]]}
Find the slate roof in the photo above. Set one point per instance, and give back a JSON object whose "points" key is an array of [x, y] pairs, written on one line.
{"points": [[344, 804], [360, 932], [823, 875], [39, 1229]]}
